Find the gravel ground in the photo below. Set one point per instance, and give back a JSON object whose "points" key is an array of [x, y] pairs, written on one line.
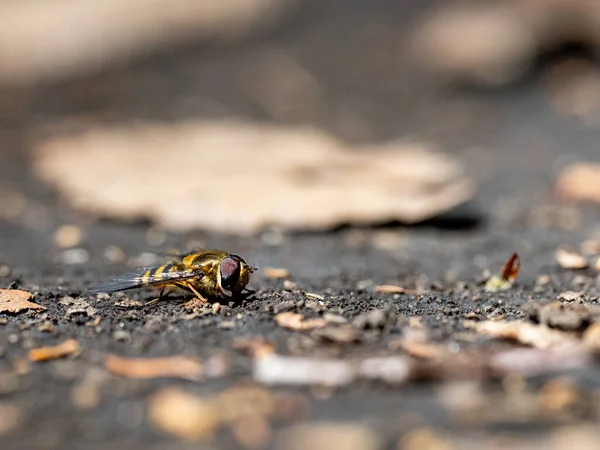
{"points": [[513, 143]]}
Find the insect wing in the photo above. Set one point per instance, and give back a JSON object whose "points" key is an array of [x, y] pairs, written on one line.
{"points": [[179, 256], [144, 277]]}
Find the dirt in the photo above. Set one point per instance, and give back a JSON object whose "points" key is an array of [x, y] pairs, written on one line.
{"points": [[512, 141]]}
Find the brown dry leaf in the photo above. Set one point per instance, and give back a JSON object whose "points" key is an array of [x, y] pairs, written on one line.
{"points": [[507, 276], [297, 322], [15, 301], [538, 336], [185, 367], [511, 268], [64, 349], [580, 182], [390, 289], [183, 415], [302, 178], [570, 259], [275, 272], [80, 38]]}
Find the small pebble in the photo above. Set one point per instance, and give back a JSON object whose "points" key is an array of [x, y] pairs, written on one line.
{"points": [[122, 336], [275, 272], [114, 254], [334, 318], [289, 285], [155, 236], [569, 259], [74, 256], [68, 236]]}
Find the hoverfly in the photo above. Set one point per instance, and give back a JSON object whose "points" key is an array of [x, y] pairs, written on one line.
{"points": [[208, 274]]}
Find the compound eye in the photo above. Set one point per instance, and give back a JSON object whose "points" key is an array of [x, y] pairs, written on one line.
{"points": [[230, 272]]}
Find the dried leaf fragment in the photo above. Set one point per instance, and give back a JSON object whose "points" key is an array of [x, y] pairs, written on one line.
{"points": [[304, 371], [297, 322], [183, 415], [511, 268], [275, 272], [570, 259], [45, 353], [68, 236], [277, 369], [320, 187], [538, 336], [580, 182], [507, 276], [389, 289], [184, 367], [15, 301], [536, 361]]}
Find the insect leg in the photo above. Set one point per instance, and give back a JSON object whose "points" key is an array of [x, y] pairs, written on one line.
{"points": [[156, 300], [196, 292], [246, 294]]}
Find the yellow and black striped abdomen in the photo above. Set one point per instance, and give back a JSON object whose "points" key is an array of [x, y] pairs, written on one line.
{"points": [[151, 276], [161, 274]]}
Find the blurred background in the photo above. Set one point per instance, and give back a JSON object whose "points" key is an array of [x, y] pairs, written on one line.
{"points": [[300, 114], [203, 119]]}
